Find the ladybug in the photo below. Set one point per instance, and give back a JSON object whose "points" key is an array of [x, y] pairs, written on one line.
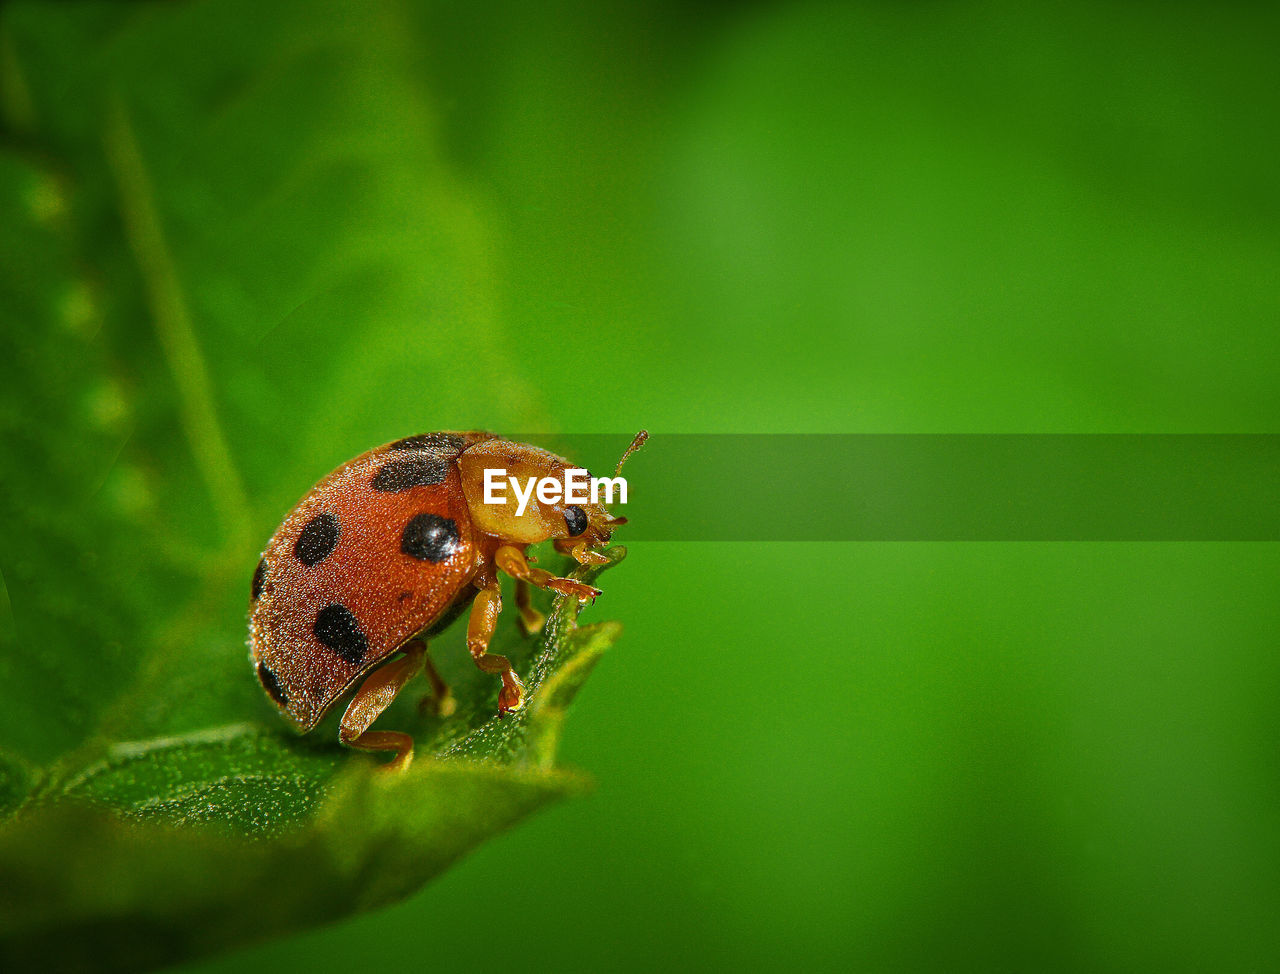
{"points": [[386, 552]]}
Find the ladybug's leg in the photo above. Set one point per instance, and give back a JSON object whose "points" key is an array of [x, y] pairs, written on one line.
{"points": [[480, 628], [579, 552], [373, 697], [512, 561], [531, 620], [441, 701]]}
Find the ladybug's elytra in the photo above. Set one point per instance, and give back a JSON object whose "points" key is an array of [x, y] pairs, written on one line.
{"points": [[388, 550]]}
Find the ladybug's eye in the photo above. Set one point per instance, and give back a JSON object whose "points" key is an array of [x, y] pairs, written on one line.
{"points": [[575, 519]]}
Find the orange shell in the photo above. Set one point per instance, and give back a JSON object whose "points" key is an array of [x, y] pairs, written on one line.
{"points": [[330, 606]]}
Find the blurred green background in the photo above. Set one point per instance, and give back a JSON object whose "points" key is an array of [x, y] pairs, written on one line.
{"points": [[246, 242]]}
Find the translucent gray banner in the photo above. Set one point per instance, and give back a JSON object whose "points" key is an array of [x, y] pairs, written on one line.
{"points": [[688, 487]]}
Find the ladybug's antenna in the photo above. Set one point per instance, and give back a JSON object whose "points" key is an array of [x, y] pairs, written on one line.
{"points": [[635, 445]]}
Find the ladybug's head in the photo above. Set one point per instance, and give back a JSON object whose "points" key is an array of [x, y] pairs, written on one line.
{"points": [[524, 494], [591, 523]]}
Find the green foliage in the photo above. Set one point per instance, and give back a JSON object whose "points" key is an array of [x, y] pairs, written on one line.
{"points": [[385, 216], [173, 847], [185, 348]]}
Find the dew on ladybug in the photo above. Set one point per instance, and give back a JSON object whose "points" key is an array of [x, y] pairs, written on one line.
{"points": [[387, 551]]}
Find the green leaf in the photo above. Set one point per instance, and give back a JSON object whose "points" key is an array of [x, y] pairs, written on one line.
{"points": [[213, 291], [221, 276], [15, 783], [173, 847]]}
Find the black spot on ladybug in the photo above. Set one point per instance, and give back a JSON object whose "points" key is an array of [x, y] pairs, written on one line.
{"points": [[317, 540], [416, 472], [402, 596], [430, 537], [271, 684], [259, 575], [337, 628], [445, 442], [575, 519]]}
